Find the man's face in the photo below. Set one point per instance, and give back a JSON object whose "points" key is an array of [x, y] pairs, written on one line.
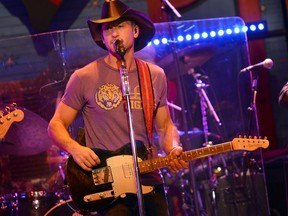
{"points": [[126, 31]]}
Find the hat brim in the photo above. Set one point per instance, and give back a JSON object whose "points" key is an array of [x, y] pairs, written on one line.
{"points": [[146, 28]]}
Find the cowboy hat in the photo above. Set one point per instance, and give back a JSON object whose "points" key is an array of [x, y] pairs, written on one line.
{"points": [[113, 10]]}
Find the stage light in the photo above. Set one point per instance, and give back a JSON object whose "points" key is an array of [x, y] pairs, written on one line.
{"points": [[196, 36], [236, 30], [228, 31], [164, 40], [212, 34], [213, 31], [252, 28], [261, 26], [156, 42], [180, 38], [204, 35], [188, 37], [244, 28], [220, 32]]}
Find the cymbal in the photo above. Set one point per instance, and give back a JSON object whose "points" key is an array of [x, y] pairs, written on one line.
{"points": [[196, 55], [188, 57], [27, 137]]}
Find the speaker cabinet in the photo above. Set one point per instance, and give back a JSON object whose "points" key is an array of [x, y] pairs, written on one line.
{"points": [[238, 195]]}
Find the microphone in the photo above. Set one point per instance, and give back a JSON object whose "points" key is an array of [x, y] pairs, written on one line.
{"points": [[120, 49], [267, 63]]}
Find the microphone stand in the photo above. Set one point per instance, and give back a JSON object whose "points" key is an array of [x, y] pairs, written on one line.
{"points": [[171, 8], [253, 107], [205, 103], [253, 112], [126, 95]]}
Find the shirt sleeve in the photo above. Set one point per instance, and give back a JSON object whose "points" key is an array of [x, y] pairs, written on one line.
{"points": [[73, 96]]}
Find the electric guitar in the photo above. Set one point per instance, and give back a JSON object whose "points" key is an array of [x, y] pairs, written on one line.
{"points": [[6, 120], [115, 177]]}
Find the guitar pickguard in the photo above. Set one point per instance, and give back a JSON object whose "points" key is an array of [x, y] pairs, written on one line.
{"points": [[124, 175]]}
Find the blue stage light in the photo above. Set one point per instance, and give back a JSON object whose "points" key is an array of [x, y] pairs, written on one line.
{"points": [[220, 32], [236, 30], [245, 29], [156, 42], [164, 40], [228, 31], [188, 34], [180, 38], [196, 36], [188, 37], [204, 35], [261, 26], [212, 34], [252, 27]]}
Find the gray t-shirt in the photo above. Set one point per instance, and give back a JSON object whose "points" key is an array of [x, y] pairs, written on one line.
{"points": [[96, 91]]}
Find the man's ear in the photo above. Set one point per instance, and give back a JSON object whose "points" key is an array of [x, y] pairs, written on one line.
{"points": [[103, 41], [136, 31]]}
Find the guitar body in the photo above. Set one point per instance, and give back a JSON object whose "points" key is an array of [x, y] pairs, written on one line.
{"points": [[113, 178]]}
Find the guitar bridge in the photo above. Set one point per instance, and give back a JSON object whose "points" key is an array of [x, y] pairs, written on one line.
{"points": [[102, 175], [98, 196]]}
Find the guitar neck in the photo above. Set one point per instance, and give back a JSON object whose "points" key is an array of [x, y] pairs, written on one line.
{"points": [[160, 162]]}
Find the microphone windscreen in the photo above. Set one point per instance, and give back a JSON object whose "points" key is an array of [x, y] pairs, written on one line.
{"points": [[268, 63], [120, 49]]}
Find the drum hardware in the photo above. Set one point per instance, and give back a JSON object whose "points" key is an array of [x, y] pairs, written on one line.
{"points": [[205, 105], [66, 208], [9, 203], [27, 203]]}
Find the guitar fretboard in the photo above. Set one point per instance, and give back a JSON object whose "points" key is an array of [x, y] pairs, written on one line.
{"points": [[160, 162]]}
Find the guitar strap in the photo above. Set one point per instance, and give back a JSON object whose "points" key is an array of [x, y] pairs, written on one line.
{"points": [[147, 96]]}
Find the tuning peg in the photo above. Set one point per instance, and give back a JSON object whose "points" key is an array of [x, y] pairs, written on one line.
{"points": [[7, 108]]}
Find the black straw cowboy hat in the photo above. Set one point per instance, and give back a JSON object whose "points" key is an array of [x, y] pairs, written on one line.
{"points": [[113, 10]]}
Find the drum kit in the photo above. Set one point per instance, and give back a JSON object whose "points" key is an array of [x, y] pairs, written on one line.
{"points": [[32, 169]]}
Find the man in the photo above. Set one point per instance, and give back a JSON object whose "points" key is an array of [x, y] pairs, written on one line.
{"points": [[96, 91]]}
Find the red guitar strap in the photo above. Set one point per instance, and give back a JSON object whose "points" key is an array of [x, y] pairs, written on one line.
{"points": [[147, 96]]}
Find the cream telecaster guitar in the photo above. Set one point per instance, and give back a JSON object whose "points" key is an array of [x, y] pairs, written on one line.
{"points": [[115, 177]]}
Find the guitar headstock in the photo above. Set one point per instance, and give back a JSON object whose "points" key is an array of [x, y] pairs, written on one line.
{"points": [[249, 144], [7, 117]]}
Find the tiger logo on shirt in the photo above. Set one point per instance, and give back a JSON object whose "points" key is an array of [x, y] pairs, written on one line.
{"points": [[108, 96]]}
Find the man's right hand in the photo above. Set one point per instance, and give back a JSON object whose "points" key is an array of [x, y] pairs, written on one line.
{"points": [[85, 157]]}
